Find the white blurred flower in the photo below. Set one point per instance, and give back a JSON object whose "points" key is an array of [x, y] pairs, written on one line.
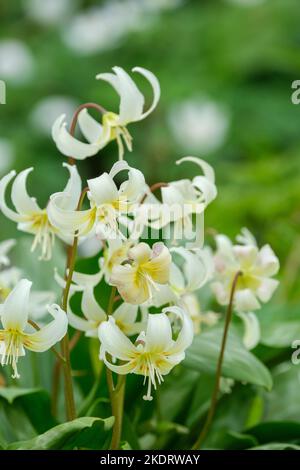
{"points": [[5, 247], [8, 280], [49, 11], [113, 127], [28, 214], [16, 336], [199, 126], [7, 154], [154, 353], [16, 61], [46, 111]]}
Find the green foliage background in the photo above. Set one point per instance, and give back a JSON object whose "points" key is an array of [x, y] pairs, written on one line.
{"points": [[244, 58]]}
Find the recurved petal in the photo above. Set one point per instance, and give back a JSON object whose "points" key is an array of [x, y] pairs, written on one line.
{"points": [[125, 313], [50, 334], [114, 342], [90, 307], [24, 204], [90, 128], [16, 307], [252, 329], [73, 187], [4, 182], [135, 186], [80, 324], [186, 334], [152, 79], [207, 169], [207, 188], [268, 262], [69, 221], [69, 145]]}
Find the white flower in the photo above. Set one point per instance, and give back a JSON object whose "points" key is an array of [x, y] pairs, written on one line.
{"points": [[125, 316], [180, 200], [145, 267], [115, 253], [5, 247], [107, 204], [48, 12], [28, 214], [113, 125], [8, 279], [15, 337], [191, 305], [154, 353], [16, 61], [199, 125], [256, 265]]}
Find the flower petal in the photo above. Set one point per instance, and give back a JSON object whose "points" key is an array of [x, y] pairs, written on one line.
{"points": [[69, 221], [4, 182], [90, 128], [159, 265], [245, 301], [266, 289], [132, 287], [207, 169], [73, 187], [155, 87], [158, 333], [114, 341], [268, 262], [5, 247], [131, 99], [69, 145], [103, 189], [186, 334], [16, 307], [252, 329], [24, 204], [50, 334], [90, 307]]}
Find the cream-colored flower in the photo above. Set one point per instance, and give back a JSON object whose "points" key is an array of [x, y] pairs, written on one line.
{"points": [[113, 126], [192, 306], [254, 286], [141, 272], [16, 335], [154, 353], [107, 204], [183, 204], [28, 214], [8, 279]]}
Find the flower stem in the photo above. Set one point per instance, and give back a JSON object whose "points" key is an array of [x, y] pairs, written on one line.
{"points": [[116, 393], [65, 347], [214, 398]]}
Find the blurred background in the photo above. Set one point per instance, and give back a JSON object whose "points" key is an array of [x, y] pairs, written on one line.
{"points": [[226, 69]]}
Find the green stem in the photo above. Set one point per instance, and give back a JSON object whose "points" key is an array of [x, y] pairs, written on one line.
{"points": [[65, 347], [214, 398], [116, 394]]}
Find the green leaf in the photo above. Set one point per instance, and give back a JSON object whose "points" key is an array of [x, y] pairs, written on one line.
{"points": [[280, 325], [81, 433], [275, 431], [238, 364], [276, 446], [10, 394]]}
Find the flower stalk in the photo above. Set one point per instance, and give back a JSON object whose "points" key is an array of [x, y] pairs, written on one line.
{"points": [[214, 398]]}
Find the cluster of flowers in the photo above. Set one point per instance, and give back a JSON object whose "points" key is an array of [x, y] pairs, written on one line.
{"points": [[145, 276]]}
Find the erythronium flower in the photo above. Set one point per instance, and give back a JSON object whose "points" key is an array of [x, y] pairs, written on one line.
{"points": [[141, 272], [192, 306], [113, 125], [28, 214], [107, 204], [257, 266], [154, 353], [115, 253], [8, 279], [180, 201], [125, 316], [5, 247], [255, 284], [16, 336]]}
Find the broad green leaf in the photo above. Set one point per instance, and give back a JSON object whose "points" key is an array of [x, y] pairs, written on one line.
{"points": [[280, 325], [11, 393], [276, 431], [238, 364], [89, 433], [276, 446]]}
